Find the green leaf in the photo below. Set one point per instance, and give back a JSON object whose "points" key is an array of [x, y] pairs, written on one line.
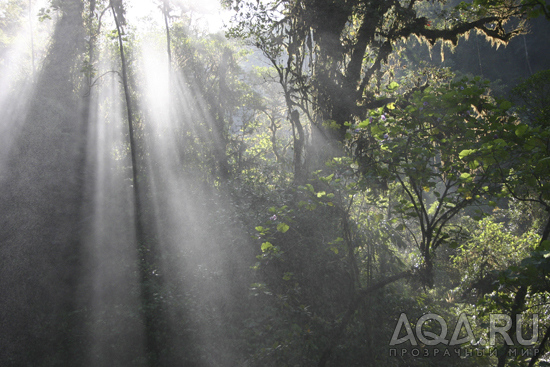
{"points": [[266, 246], [465, 153], [282, 227], [433, 207], [473, 164], [377, 130], [521, 130], [328, 178], [337, 240], [363, 124], [393, 86]]}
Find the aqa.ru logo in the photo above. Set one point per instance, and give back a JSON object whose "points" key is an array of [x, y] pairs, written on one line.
{"points": [[495, 327]]}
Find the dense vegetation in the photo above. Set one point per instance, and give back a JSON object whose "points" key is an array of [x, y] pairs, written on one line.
{"points": [[300, 190]]}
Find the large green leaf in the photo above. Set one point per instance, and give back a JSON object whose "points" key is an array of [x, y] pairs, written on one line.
{"points": [[282, 227], [521, 130], [266, 246], [465, 153]]}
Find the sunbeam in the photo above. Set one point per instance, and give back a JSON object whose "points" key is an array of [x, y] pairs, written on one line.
{"points": [[280, 189], [187, 230], [109, 289], [18, 67]]}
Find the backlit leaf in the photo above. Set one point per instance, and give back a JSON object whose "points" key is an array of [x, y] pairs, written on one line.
{"points": [[282, 227], [266, 246]]}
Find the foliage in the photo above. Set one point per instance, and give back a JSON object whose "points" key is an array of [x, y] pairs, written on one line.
{"points": [[11, 14], [519, 153], [491, 249], [429, 194], [520, 148], [422, 145], [340, 53]]}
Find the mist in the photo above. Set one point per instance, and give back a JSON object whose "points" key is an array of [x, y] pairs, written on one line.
{"points": [[277, 191]]}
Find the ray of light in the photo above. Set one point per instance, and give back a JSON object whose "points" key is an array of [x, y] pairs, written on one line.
{"points": [[110, 288], [195, 245], [16, 81]]}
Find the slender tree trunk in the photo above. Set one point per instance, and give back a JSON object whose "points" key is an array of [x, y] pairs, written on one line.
{"points": [[147, 255], [165, 12]]}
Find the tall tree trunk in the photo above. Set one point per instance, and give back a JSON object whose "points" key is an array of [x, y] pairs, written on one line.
{"points": [[148, 281], [41, 212]]}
